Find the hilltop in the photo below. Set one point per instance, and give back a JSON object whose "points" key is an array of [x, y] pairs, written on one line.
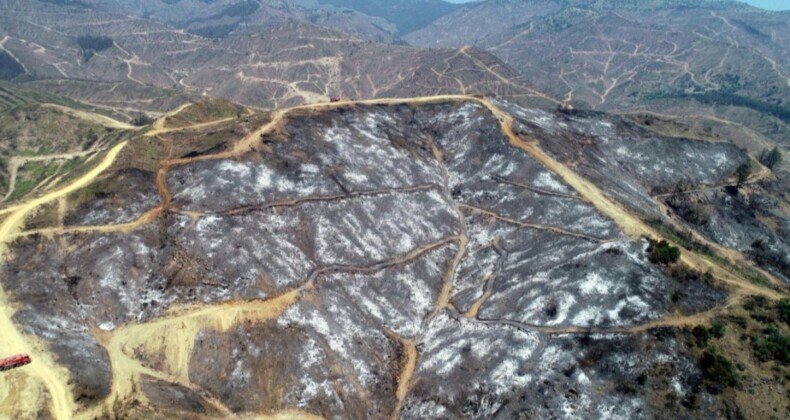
{"points": [[538, 209], [259, 263]]}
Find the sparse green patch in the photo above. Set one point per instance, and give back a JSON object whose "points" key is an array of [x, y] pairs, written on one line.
{"points": [[33, 174], [141, 120], [718, 371], [663, 253], [769, 342], [742, 174], [784, 310], [771, 158], [686, 240], [30, 176], [205, 111], [772, 345], [703, 335]]}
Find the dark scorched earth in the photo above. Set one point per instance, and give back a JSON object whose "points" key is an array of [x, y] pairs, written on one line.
{"points": [[421, 264]]}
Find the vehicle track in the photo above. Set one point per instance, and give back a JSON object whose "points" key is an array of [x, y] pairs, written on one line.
{"points": [[54, 377], [553, 229], [226, 315], [100, 119], [17, 162]]}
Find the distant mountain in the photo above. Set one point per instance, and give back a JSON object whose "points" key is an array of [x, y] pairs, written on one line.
{"points": [[407, 15], [714, 59], [220, 18], [283, 63], [379, 21], [470, 24]]}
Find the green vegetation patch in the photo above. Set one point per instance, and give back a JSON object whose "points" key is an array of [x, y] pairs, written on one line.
{"points": [[772, 345], [686, 240], [724, 97], [205, 111], [33, 174], [703, 335], [771, 158], [663, 253], [718, 371]]}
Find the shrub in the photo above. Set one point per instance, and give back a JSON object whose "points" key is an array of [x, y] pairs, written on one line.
{"points": [[663, 253], [718, 329], [702, 335], [784, 310], [769, 253], [94, 43], [684, 274], [719, 373], [773, 345], [771, 158], [141, 120], [742, 174]]}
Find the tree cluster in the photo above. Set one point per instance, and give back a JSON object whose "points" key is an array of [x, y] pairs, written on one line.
{"points": [[663, 253], [771, 158]]}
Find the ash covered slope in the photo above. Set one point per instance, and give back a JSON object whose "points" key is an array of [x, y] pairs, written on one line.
{"points": [[365, 261]]}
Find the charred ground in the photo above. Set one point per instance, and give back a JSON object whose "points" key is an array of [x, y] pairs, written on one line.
{"points": [[367, 259]]}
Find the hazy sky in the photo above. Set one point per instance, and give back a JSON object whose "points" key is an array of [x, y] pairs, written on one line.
{"points": [[765, 4]]}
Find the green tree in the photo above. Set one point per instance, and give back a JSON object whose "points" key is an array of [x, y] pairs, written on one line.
{"points": [[784, 310], [663, 253], [718, 371], [771, 158], [742, 174]]}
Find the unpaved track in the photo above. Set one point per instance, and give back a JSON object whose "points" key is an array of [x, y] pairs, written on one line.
{"points": [[93, 117], [159, 125], [408, 365], [158, 131], [17, 162], [553, 229], [762, 174], [54, 378], [175, 331], [628, 223]]}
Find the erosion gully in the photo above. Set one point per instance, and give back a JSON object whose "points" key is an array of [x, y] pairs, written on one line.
{"points": [[175, 332]]}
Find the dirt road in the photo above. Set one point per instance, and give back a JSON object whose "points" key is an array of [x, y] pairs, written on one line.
{"points": [[173, 334], [93, 117], [43, 369], [17, 162]]}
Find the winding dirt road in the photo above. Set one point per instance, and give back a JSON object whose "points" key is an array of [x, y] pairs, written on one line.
{"points": [[17, 162], [43, 369], [93, 117], [173, 334]]}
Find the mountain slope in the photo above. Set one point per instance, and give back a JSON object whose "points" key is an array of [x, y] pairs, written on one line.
{"points": [[407, 15], [461, 245], [293, 63], [217, 19], [472, 24], [725, 63], [275, 264]]}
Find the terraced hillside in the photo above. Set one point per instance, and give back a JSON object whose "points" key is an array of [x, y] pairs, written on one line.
{"points": [[218, 19], [724, 66], [440, 256], [284, 64]]}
